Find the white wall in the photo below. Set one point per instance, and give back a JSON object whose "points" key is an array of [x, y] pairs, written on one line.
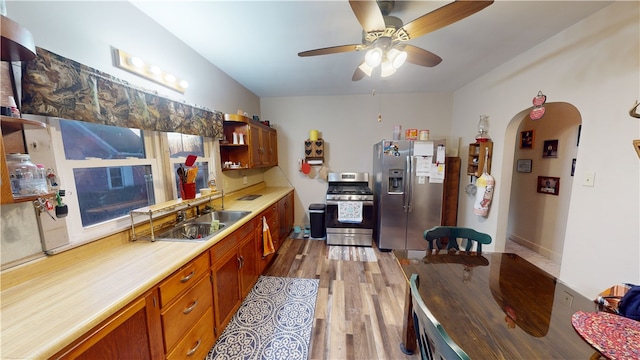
{"points": [[349, 126], [595, 66]]}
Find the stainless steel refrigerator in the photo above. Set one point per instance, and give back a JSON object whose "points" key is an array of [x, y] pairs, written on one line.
{"points": [[408, 179]]}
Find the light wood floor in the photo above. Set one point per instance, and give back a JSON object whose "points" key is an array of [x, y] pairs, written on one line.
{"points": [[359, 307]]}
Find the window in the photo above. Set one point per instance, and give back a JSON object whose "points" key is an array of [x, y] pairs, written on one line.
{"points": [[108, 171], [106, 192], [180, 146]]}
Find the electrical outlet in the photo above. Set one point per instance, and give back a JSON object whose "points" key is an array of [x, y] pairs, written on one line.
{"points": [[245, 180], [589, 178], [567, 298]]}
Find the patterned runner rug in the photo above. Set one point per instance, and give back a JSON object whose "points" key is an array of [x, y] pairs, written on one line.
{"points": [[353, 253], [273, 322]]}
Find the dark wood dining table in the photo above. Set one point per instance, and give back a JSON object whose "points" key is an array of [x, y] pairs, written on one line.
{"points": [[496, 305]]}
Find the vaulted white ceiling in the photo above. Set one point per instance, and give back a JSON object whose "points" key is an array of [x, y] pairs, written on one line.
{"points": [[257, 42]]}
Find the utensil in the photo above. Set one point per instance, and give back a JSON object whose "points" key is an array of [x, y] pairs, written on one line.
{"points": [[181, 175], [191, 159], [191, 174]]}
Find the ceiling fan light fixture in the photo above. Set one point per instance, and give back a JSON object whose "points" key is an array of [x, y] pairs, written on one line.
{"points": [[366, 69], [387, 69], [373, 57], [397, 57]]}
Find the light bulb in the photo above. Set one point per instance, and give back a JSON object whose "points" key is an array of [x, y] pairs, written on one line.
{"points": [[184, 84], [155, 70], [373, 57], [397, 57], [387, 69], [136, 61], [170, 78]]}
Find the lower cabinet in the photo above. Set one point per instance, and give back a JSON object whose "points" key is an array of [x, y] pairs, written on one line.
{"points": [[234, 271], [183, 315], [285, 215], [132, 333], [187, 311], [271, 214]]}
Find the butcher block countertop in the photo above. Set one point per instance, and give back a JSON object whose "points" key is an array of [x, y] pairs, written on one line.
{"points": [[76, 290]]}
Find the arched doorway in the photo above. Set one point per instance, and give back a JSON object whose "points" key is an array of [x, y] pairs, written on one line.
{"points": [[541, 178]]}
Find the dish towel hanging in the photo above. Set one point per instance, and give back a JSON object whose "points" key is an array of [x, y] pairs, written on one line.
{"points": [[350, 211], [267, 242]]}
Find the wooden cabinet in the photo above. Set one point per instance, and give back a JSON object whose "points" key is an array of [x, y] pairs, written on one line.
{"points": [[187, 309], [285, 216], [271, 214], [451, 191], [260, 143], [132, 333], [12, 141], [475, 163], [234, 271], [272, 149]]}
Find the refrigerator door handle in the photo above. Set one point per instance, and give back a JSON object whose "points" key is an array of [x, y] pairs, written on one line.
{"points": [[408, 184]]}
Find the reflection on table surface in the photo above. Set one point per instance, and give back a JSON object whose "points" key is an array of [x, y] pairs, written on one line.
{"points": [[498, 305]]}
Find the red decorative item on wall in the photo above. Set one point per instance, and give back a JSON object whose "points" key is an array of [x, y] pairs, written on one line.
{"points": [[538, 109]]}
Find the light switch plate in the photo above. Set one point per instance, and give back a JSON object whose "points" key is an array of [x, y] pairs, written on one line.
{"points": [[589, 179]]}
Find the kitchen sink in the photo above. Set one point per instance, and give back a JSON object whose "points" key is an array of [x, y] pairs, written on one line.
{"points": [[249, 197], [194, 231], [199, 229], [223, 216]]}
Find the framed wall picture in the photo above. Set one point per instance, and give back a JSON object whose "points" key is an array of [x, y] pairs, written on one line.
{"points": [[548, 185], [524, 165], [527, 139], [550, 149]]}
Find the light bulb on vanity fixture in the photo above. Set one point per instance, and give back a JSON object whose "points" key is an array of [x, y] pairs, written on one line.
{"points": [[139, 67]]}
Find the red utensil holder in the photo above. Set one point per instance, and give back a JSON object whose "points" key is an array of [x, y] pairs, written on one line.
{"points": [[188, 191]]}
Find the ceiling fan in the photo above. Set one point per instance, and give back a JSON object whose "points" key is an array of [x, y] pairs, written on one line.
{"points": [[384, 36]]}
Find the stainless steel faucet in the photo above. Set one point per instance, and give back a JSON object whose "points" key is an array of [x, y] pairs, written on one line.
{"points": [[180, 216]]}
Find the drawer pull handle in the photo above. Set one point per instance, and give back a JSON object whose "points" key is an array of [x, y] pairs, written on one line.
{"points": [[190, 308], [192, 351], [188, 277]]}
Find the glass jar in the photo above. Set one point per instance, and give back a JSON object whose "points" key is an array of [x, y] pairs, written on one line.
{"points": [[26, 178]]}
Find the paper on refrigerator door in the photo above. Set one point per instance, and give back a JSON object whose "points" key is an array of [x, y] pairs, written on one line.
{"points": [[423, 165], [437, 173], [423, 148]]}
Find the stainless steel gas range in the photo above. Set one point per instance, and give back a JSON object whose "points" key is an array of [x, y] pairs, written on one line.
{"points": [[349, 217]]}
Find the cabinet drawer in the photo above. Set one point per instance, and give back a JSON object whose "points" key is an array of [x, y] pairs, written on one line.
{"points": [[183, 279], [197, 342], [185, 312]]}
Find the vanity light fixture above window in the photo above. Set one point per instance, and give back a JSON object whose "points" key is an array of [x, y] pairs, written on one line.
{"points": [[148, 71]]}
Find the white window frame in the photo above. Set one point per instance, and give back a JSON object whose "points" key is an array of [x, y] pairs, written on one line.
{"points": [[78, 233]]}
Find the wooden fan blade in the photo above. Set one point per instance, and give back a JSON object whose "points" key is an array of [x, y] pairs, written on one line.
{"points": [[368, 14], [358, 74], [329, 50], [422, 57], [443, 16]]}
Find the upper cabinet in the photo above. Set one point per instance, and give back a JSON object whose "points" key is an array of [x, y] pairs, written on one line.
{"points": [[17, 42], [247, 144], [12, 141], [477, 153]]}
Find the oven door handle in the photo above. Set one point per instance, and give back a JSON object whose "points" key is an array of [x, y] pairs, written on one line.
{"points": [[364, 203]]}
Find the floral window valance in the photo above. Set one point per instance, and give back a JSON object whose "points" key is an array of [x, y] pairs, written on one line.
{"points": [[59, 87]]}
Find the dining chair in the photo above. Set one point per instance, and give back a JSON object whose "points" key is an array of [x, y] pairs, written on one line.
{"points": [[433, 341], [454, 232]]}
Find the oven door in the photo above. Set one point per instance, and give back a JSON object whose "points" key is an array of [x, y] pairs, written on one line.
{"points": [[331, 216]]}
